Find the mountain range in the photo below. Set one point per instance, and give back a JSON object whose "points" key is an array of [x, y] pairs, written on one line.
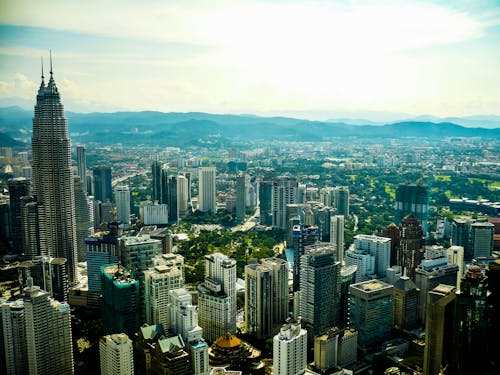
{"points": [[180, 129]]}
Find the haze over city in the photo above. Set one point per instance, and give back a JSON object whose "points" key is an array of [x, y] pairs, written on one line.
{"points": [[381, 61]]}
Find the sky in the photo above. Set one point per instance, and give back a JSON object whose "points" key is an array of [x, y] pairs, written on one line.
{"points": [[314, 59]]}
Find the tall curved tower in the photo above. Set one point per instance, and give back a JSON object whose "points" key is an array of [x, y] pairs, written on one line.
{"points": [[52, 175]]}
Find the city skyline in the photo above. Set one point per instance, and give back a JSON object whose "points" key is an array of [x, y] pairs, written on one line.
{"points": [[314, 60]]}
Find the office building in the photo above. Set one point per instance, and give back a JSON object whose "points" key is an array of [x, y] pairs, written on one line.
{"points": [[290, 350], [155, 214], [83, 218], [116, 355], [13, 350], [319, 288], [279, 268], [52, 174], [412, 199], [156, 169], [341, 200], [183, 199], [34, 239], [48, 333], [217, 297], [392, 232], [378, 247], [347, 277], [284, 192], [240, 196], [431, 272], [259, 300], [18, 187], [439, 328], [265, 202], [172, 199], [337, 223], [405, 304], [206, 189], [122, 200], [370, 311], [120, 300], [102, 184], [158, 281], [410, 251], [302, 236], [335, 349], [81, 164], [137, 253], [460, 232], [481, 239]]}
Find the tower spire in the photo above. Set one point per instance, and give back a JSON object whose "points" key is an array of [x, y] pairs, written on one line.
{"points": [[41, 60], [50, 52]]}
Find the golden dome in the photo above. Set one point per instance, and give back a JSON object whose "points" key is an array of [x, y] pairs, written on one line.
{"points": [[228, 341]]}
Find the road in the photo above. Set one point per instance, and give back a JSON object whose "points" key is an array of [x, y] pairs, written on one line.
{"points": [[249, 223], [117, 180]]}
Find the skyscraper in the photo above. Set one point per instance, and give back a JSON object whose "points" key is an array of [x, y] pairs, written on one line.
{"points": [[81, 163], [182, 195], [240, 196], [116, 354], [439, 328], [404, 309], [279, 269], [122, 199], [48, 333], [412, 199], [410, 252], [18, 187], [319, 288], [83, 218], [258, 300], [460, 232], [102, 184], [302, 236], [337, 223], [206, 189], [481, 239], [341, 200], [156, 174], [265, 201], [217, 297], [13, 337], [52, 174], [370, 311], [284, 191]]}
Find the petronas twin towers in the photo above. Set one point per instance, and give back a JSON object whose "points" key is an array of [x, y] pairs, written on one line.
{"points": [[52, 174]]}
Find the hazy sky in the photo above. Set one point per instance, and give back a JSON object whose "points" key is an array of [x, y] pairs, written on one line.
{"points": [[326, 59]]}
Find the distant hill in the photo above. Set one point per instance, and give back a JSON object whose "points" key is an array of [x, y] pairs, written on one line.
{"points": [[181, 129], [6, 141]]}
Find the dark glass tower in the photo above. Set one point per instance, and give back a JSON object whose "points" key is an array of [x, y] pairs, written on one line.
{"points": [[52, 174]]}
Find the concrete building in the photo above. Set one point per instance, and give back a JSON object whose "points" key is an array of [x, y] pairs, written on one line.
{"points": [[240, 196], [18, 187], [455, 255], [290, 350], [337, 223], [335, 349], [378, 247], [405, 304], [48, 333], [460, 232], [284, 191], [122, 199], [259, 300], [84, 218], [341, 200], [13, 350], [302, 236], [412, 199], [81, 164], [410, 251], [102, 183], [280, 270], [206, 189], [265, 202], [370, 311], [116, 355], [217, 297]]}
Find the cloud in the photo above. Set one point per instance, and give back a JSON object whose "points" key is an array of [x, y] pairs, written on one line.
{"points": [[20, 86]]}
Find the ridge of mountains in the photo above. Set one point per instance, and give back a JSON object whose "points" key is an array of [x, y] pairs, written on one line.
{"points": [[180, 129]]}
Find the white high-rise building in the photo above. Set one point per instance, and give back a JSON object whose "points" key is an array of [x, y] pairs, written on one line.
{"points": [[371, 254], [183, 320], [83, 218], [81, 163], [155, 214], [290, 350], [116, 355], [455, 255], [53, 175], [48, 333], [284, 191], [122, 199], [158, 281], [337, 223], [13, 331], [280, 269], [217, 297], [206, 189]]}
